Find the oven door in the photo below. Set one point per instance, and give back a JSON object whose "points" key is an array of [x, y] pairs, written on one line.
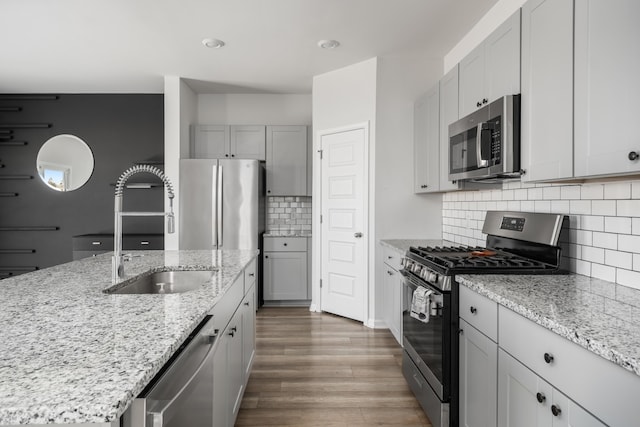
{"points": [[429, 344]]}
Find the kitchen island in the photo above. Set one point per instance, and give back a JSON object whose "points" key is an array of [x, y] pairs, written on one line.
{"points": [[72, 354]]}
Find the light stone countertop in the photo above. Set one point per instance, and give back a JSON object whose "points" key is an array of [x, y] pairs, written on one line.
{"points": [[600, 316], [73, 354]]}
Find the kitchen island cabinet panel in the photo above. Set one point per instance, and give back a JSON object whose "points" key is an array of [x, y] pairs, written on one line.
{"points": [[607, 88]]}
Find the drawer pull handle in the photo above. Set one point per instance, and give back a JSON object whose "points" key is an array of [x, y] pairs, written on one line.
{"points": [[251, 274], [555, 410], [96, 243], [548, 358], [541, 397], [473, 310], [144, 242]]}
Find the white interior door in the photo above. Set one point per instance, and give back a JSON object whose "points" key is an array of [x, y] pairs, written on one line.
{"points": [[344, 223]]}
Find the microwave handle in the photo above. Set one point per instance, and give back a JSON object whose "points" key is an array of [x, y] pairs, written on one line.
{"points": [[481, 162]]}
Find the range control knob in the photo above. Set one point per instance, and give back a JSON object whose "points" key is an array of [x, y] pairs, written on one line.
{"points": [[425, 274]]}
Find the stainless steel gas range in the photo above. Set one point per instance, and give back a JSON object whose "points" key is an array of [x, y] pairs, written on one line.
{"points": [[517, 243]]}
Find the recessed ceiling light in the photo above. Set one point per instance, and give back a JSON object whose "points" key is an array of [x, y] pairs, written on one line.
{"points": [[213, 43], [328, 44]]}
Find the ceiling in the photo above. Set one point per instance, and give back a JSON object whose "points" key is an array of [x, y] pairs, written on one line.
{"points": [[102, 46]]}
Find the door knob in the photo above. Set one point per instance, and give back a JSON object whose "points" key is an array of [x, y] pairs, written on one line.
{"points": [[357, 235]]}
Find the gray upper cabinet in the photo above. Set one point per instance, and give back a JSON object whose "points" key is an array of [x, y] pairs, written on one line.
{"points": [[247, 142], [492, 69], [209, 141], [448, 115], [607, 88], [287, 160], [547, 90], [426, 142], [223, 141]]}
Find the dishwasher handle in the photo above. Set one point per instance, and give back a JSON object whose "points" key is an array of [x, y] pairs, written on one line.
{"points": [[164, 409]]}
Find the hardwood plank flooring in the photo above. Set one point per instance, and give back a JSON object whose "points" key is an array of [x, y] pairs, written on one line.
{"points": [[317, 369]]}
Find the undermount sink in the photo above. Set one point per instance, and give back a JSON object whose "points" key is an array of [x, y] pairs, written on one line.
{"points": [[164, 282]]}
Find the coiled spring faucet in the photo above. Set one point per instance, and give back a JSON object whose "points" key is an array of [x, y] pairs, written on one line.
{"points": [[118, 258]]}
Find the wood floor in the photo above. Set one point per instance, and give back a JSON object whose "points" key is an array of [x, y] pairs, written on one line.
{"points": [[315, 369]]}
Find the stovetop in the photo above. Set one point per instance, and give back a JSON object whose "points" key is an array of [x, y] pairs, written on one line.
{"points": [[467, 259]]}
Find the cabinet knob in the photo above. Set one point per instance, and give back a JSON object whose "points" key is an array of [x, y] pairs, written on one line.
{"points": [[389, 273], [233, 155], [284, 244], [555, 410], [247, 303], [548, 358], [389, 257], [460, 331], [473, 310], [268, 191], [541, 397], [633, 155], [478, 104], [252, 274], [226, 155], [266, 256], [485, 100]]}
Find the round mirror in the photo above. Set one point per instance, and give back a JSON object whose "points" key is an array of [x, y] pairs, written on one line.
{"points": [[65, 162]]}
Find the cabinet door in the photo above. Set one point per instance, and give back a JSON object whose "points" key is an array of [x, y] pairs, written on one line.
{"points": [[607, 88], [210, 142], [221, 396], [286, 160], [234, 334], [569, 414], [518, 399], [285, 276], [426, 142], [547, 90], [248, 332], [448, 115], [502, 59], [472, 78], [247, 142], [478, 378], [392, 304]]}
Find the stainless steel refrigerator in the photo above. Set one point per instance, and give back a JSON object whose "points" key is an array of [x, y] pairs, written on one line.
{"points": [[221, 204]]}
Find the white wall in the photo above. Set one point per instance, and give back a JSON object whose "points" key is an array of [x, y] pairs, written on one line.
{"points": [[485, 26], [341, 98], [254, 109], [180, 111]]}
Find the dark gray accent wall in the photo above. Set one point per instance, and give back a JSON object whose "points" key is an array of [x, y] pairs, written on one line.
{"points": [[120, 129]]}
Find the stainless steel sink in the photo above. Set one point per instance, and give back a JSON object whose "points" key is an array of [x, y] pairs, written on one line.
{"points": [[164, 282]]}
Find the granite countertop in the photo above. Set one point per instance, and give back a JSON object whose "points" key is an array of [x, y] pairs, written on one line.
{"points": [[601, 316], [287, 234], [73, 354]]}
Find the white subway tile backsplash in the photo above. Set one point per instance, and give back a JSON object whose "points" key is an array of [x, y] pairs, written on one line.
{"points": [[628, 208], [619, 225], [604, 234], [628, 278], [570, 192], [629, 243], [289, 214], [605, 240], [603, 207], [617, 190], [603, 272], [618, 259]]}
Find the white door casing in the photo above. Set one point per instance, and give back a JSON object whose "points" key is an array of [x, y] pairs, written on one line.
{"points": [[344, 227]]}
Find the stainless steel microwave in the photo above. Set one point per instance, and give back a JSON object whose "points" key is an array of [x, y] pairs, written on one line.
{"points": [[486, 143]]}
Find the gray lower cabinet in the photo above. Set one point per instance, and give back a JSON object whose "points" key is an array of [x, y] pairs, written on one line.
{"points": [[478, 378], [393, 294], [526, 400], [285, 269]]}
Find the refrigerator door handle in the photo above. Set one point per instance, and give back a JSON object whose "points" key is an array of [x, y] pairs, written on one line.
{"points": [[220, 199], [214, 207]]}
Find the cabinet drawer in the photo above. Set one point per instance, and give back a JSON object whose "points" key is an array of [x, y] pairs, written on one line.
{"points": [[249, 275], [89, 242], [480, 312], [285, 244], [392, 257], [136, 242], [602, 387]]}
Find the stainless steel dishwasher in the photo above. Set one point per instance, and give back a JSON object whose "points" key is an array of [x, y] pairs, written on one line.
{"points": [[181, 394]]}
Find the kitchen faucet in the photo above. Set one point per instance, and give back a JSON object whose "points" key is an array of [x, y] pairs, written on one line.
{"points": [[118, 258]]}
